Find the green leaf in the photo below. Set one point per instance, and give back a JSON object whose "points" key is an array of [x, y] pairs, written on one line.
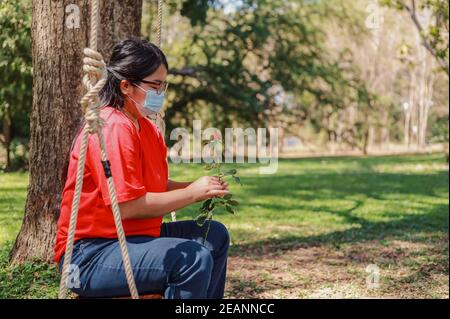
{"points": [[206, 204], [233, 202], [231, 172], [220, 203], [202, 218], [237, 180], [228, 196], [230, 209]]}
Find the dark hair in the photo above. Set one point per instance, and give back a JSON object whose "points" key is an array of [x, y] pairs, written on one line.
{"points": [[132, 60]]}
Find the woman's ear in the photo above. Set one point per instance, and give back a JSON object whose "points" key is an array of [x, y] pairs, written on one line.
{"points": [[125, 87]]}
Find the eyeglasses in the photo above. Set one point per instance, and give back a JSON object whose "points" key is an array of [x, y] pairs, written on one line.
{"points": [[160, 87]]}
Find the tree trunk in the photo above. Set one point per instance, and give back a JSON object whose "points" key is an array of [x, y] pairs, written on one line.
{"points": [[410, 108], [58, 42], [385, 138], [7, 138], [422, 97], [366, 141], [123, 19], [429, 86]]}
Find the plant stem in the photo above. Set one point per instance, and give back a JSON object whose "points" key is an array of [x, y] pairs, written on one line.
{"points": [[207, 231]]}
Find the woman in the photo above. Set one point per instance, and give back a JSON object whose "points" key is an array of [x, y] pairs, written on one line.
{"points": [[165, 257]]}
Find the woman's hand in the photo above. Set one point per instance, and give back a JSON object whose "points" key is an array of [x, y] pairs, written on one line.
{"points": [[158, 204], [207, 187]]}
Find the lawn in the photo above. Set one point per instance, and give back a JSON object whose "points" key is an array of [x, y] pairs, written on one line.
{"points": [[316, 229]]}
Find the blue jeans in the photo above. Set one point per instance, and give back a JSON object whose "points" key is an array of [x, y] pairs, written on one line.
{"points": [[176, 264]]}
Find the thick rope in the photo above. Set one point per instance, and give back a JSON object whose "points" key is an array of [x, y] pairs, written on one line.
{"points": [[160, 22], [94, 68], [158, 118], [73, 218]]}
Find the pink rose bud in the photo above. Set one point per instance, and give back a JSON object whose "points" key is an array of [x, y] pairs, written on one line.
{"points": [[217, 136]]}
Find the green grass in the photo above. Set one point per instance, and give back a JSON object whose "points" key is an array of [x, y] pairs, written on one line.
{"points": [[13, 193], [312, 218]]}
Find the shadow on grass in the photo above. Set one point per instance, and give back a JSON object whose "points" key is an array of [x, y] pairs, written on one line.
{"points": [[373, 185], [415, 228], [413, 190]]}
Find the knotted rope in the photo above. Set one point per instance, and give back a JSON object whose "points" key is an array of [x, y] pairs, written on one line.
{"points": [[160, 22], [94, 79]]}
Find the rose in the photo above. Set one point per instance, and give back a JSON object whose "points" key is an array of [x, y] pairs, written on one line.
{"points": [[208, 207]]}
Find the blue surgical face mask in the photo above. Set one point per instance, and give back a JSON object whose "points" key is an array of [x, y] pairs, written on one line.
{"points": [[154, 101]]}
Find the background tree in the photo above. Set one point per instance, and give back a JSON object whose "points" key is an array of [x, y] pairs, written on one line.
{"points": [[58, 42], [434, 34], [316, 70], [424, 54], [242, 64], [15, 79]]}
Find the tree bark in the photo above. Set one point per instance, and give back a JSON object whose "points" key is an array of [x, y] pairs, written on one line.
{"points": [[123, 19], [57, 66]]}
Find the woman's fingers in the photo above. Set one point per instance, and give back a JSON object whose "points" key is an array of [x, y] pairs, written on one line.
{"points": [[208, 187], [217, 193], [216, 187], [216, 183], [214, 179], [224, 186]]}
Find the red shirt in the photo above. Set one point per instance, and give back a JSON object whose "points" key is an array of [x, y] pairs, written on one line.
{"points": [[138, 165]]}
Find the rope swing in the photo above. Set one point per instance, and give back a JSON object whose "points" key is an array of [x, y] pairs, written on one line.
{"points": [[94, 79], [158, 118]]}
